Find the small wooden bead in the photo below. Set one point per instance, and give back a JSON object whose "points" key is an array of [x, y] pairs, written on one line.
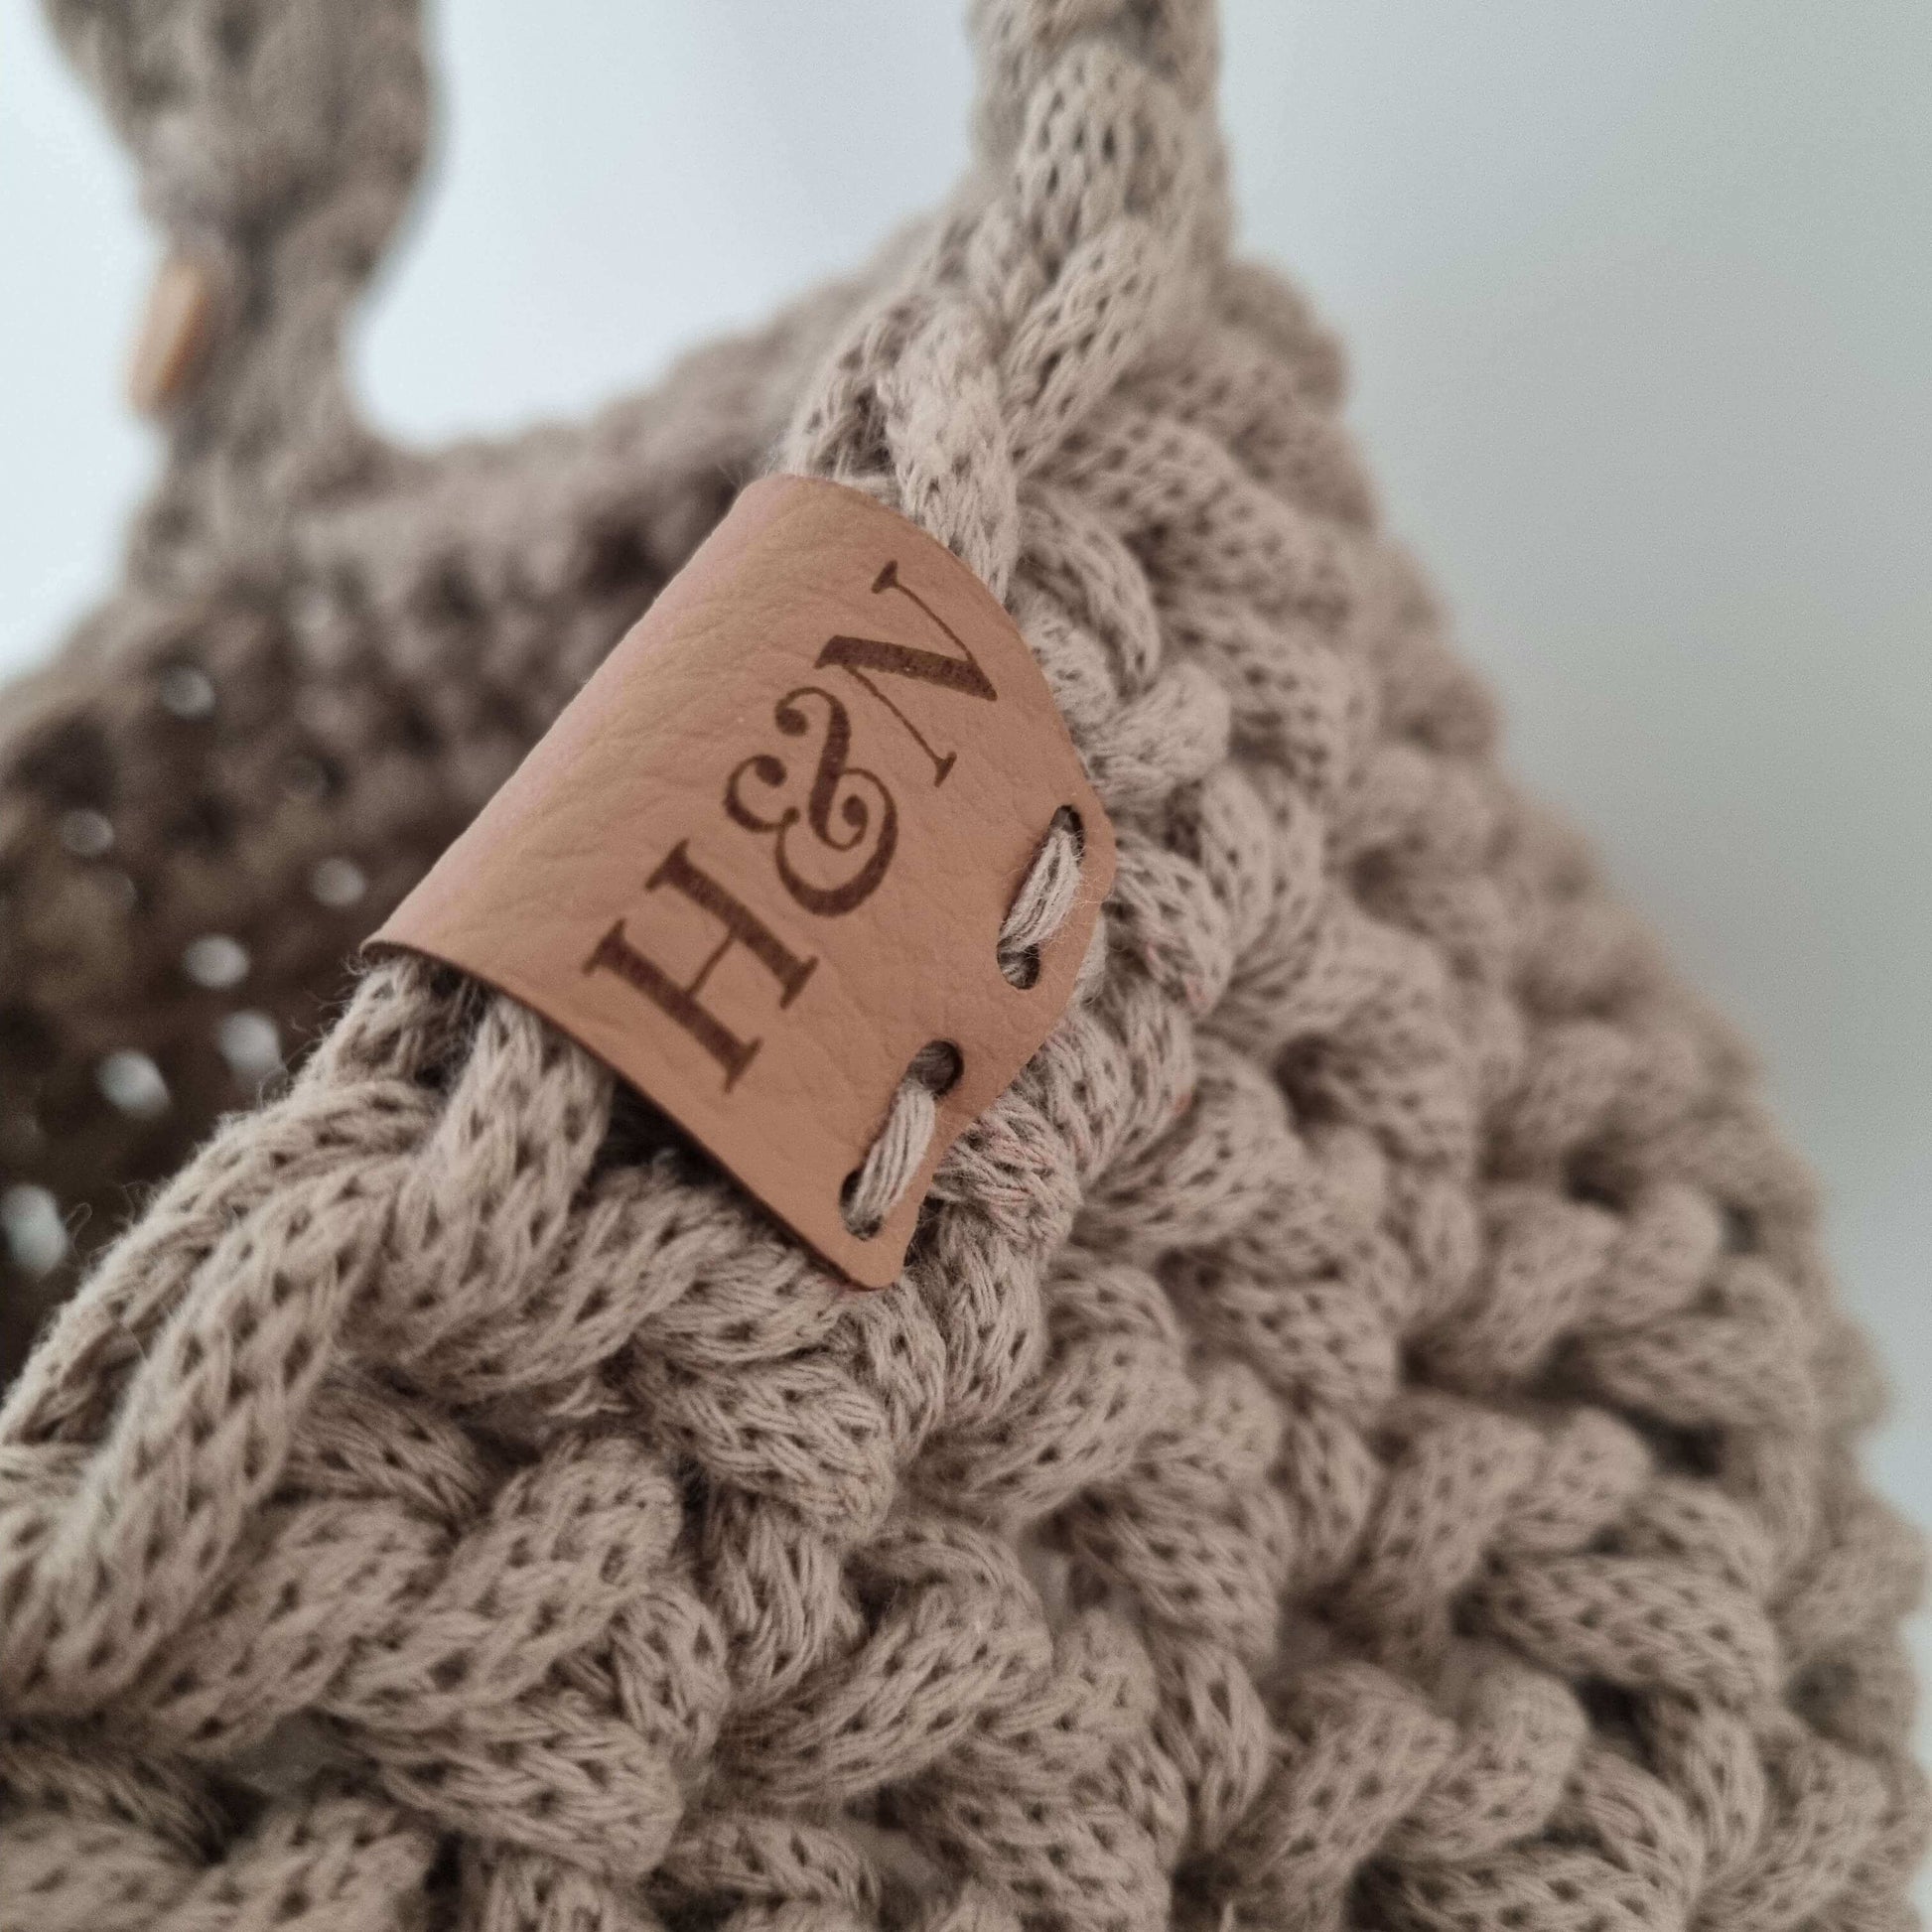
{"points": [[177, 331]]}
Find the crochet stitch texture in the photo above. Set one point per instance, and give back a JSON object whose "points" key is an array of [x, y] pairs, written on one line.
{"points": [[1363, 1439]]}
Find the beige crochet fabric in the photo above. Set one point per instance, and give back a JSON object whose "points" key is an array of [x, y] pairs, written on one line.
{"points": [[1363, 1439]]}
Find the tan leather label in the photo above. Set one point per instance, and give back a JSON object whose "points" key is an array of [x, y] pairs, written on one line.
{"points": [[764, 856]]}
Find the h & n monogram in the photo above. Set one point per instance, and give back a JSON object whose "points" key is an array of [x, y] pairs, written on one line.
{"points": [[834, 832]]}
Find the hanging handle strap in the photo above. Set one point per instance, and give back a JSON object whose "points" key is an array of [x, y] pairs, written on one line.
{"points": [[278, 142]]}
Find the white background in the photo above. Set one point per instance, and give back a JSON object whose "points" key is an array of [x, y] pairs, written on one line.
{"points": [[1638, 296]]}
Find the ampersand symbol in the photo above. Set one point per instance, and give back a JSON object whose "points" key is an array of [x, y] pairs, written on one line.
{"points": [[839, 810]]}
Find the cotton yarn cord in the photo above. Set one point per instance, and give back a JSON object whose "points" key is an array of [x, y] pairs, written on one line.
{"points": [[1363, 1437]]}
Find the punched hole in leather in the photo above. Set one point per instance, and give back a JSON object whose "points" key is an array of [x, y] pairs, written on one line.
{"points": [[767, 855]]}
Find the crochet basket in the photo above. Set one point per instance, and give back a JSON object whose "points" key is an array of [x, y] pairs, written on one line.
{"points": [[1364, 1438]]}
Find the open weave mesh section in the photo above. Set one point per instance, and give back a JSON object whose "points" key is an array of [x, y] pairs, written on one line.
{"points": [[1363, 1439]]}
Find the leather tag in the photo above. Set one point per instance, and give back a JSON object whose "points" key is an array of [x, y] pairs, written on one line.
{"points": [[763, 857]]}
